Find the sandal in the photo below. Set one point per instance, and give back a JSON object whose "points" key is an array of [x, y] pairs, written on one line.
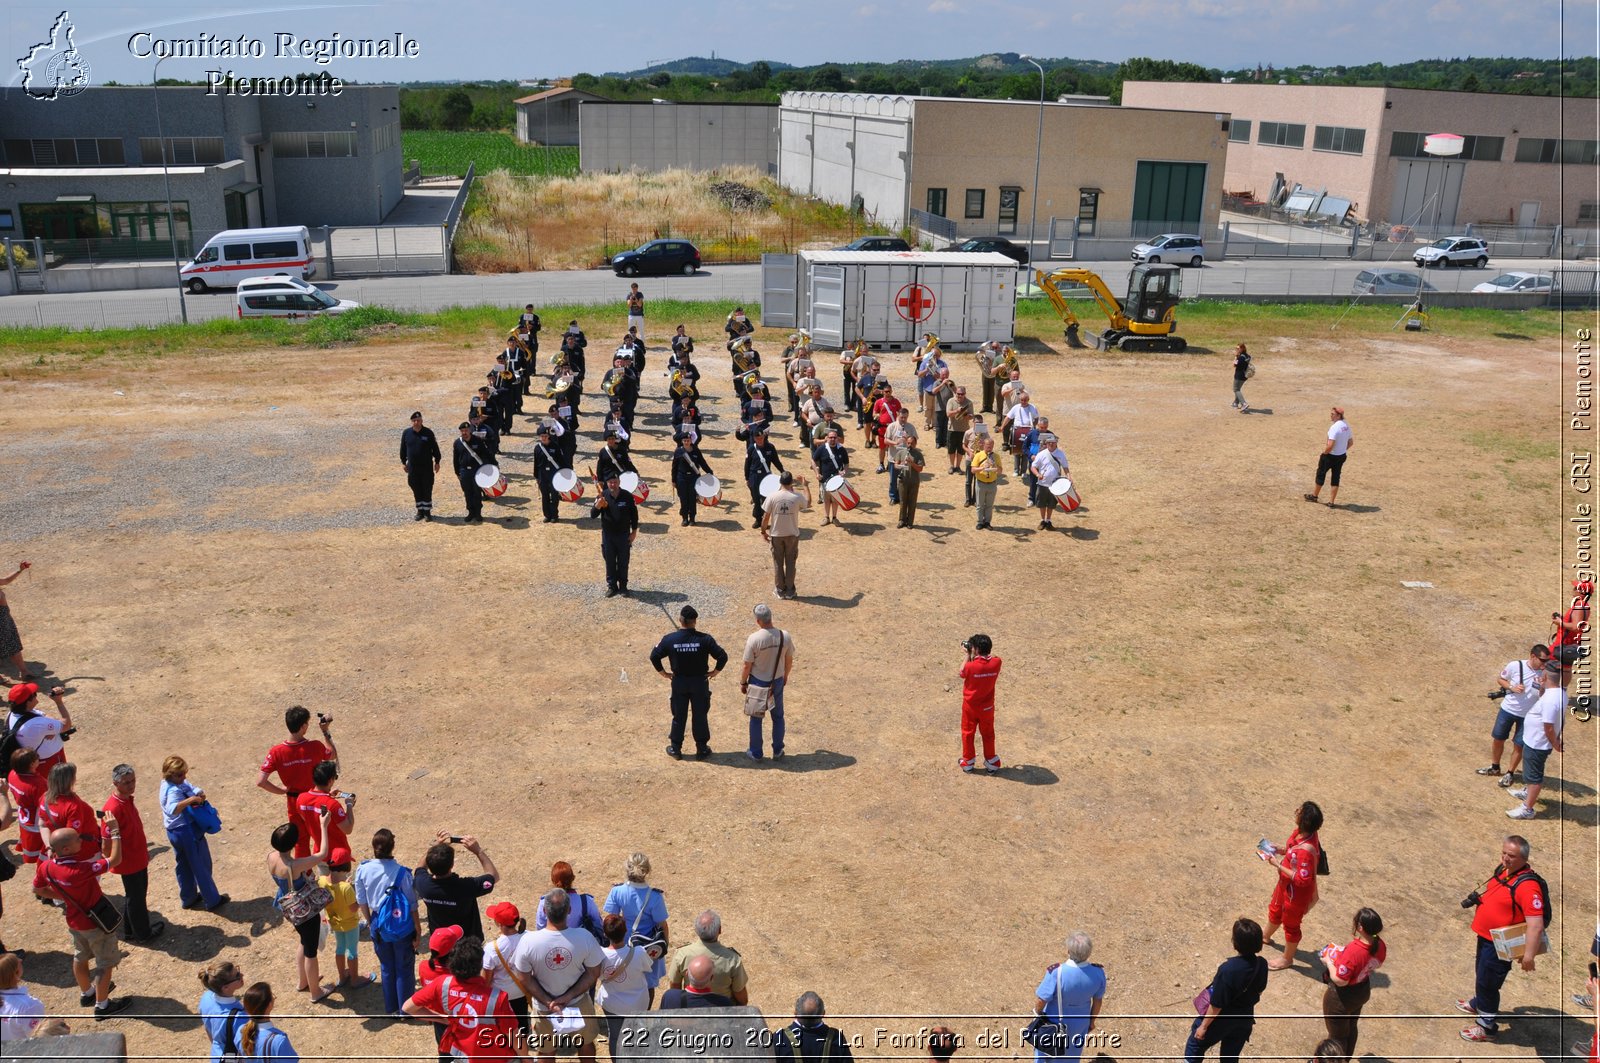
{"points": [[318, 998], [1309, 498]]}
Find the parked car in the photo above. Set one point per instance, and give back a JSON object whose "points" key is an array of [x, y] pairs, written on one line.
{"points": [[286, 297], [1013, 251], [1453, 251], [1181, 249], [875, 243], [1518, 283], [1390, 282], [658, 256]]}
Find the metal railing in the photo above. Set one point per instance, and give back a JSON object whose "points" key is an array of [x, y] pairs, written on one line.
{"points": [[109, 250], [933, 225], [389, 250]]}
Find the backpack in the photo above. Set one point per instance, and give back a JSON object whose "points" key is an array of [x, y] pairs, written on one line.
{"points": [[395, 919], [11, 741], [589, 917], [1544, 894]]}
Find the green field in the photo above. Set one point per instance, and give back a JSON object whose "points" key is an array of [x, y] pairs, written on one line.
{"points": [[449, 153]]}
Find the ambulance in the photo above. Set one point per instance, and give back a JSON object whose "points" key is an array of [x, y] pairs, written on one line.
{"points": [[234, 255]]}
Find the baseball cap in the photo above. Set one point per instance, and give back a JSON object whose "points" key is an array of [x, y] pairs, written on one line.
{"points": [[340, 857], [504, 914], [20, 693], [689, 612], [415, 414], [444, 939]]}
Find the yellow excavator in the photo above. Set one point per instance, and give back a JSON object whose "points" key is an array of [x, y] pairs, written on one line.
{"points": [[1146, 322]]}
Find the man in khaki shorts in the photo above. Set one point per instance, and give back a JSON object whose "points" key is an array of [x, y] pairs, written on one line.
{"points": [[71, 875], [560, 966]]}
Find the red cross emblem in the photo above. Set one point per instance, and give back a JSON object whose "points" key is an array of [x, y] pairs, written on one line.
{"points": [[557, 958], [914, 302]]}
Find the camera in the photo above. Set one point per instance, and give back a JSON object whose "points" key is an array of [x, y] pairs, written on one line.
{"points": [[1496, 695], [455, 839], [322, 718], [1472, 900]]}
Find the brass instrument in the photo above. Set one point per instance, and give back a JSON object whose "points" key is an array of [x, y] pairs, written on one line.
{"points": [[1008, 360], [743, 354], [560, 360], [609, 385], [679, 386], [750, 379], [517, 339], [560, 382]]}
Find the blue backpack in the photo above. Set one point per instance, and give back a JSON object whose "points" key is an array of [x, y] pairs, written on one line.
{"points": [[394, 919]]}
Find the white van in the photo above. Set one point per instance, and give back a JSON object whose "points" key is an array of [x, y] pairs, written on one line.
{"points": [[236, 254], [286, 297]]}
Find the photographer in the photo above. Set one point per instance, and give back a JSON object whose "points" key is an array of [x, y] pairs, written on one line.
{"points": [[36, 731], [293, 761], [452, 899], [1512, 894], [978, 677], [1520, 684]]}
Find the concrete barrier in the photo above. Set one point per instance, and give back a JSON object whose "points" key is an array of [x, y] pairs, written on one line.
{"points": [[701, 1035], [107, 1047]]}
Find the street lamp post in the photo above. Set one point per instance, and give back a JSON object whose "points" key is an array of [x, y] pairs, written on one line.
{"points": [[166, 175], [1038, 150]]}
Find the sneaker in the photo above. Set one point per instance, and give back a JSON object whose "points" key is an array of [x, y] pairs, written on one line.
{"points": [[674, 753], [111, 1007], [1520, 812], [965, 765], [1586, 1002], [1492, 769], [1520, 793], [86, 1000], [1506, 779], [1465, 1007], [753, 756], [1476, 1034], [992, 765]]}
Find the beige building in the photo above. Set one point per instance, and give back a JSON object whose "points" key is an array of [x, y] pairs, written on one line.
{"points": [[1526, 160], [972, 161]]}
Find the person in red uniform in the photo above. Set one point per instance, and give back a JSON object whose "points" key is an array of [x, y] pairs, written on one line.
{"points": [[476, 1017], [62, 807], [341, 807], [71, 875], [1570, 626], [1348, 972], [1296, 890], [134, 868], [885, 411], [293, 761], [27, 787], [978, 677], [1511, 895], [434, 967]]}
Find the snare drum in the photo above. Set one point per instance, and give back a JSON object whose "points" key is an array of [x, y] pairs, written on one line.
{"points": [[630, 482], [1065, 494], [567, 485], [840, 491], [770, 485], [490, 482], [708, 490]]}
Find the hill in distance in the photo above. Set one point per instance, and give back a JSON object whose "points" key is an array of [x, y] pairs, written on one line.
{"points": [[700, 66]]}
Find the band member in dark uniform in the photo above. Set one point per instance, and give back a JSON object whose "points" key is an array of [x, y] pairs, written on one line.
{"points": [[529, 326], [760, 458], [468, 459], [691, 681], [682, 344], [737, 325], [830, 459], [420, 457], [687, 464], [745, 358], [614, 425], [613, 459], [619, 526], [623, 386], [684, 383], [687, 419], [634, 343], [485, 439], [546, 463], [756, 411]]}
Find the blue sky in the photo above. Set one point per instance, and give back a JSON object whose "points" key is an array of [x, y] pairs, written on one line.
{"points": [[491, 39]]}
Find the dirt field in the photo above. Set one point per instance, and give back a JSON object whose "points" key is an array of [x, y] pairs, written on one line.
{"points": [[218, 537]]}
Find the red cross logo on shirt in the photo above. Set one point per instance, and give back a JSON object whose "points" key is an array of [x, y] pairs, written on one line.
{"points": [[557, 959], [914, 302]]}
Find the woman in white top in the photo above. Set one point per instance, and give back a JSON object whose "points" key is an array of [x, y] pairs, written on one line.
{"points": [[20, 1010], [497, 960], [1330, 463], [622, 989]]}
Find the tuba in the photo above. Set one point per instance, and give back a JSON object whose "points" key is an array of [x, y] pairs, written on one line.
{"points": [[561, 381], [679, 386], [750, 378], [1008, 360], [560, 361], [742, 355]]}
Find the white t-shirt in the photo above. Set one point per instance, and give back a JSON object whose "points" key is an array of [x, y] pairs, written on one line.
{"points": [[42, 734], [761, 650], [556, 958], [1339, 432], [20, 1012], [507, 944], [1551, 708], [1532, 683], [1048, 466], [622, 989]]}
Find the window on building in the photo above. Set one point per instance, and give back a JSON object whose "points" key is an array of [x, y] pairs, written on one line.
{"points": [[1239, 130], [138, 220], [1542, 149], [1589, 211], [1282, 135], [332, 144], [1339, 138], [938, 199], [82, 151], [182, 151], [1477, 148], [975, 202], [1010, 197], [385, 137], [8, 220]]}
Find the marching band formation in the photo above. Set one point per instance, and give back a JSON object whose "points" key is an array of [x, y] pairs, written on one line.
{"points": [[515, 387]]}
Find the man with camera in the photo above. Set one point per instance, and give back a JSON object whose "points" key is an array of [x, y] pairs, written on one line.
{"points": [[34, 730], [1513, 894], [1541, 734], [293, 761], [978, 677], [452, 898], [1520, 684]]}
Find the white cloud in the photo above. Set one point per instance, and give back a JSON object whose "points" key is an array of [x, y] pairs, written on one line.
{"points": [[943, 7]]}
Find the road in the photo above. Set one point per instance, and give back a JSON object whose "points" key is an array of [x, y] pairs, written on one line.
{"points": [[1232, 278]]}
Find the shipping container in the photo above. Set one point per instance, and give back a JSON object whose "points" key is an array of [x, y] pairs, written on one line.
{"points": [[890, 298]]}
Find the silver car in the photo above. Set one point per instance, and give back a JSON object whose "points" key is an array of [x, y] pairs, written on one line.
{"points": [[1389, 282], [1180, 249], [1518, 283]]}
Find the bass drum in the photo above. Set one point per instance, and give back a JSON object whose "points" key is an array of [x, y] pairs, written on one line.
{"points": [[708, 490]]}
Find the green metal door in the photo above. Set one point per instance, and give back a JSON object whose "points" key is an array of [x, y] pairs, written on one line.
{"points": [[1168, 195]]}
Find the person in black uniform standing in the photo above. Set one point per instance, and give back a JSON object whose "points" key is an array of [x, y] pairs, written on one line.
{"points": [[619, 527], [420, 457], [468, 460], [760, 458], [613, 460], [485, 438], [691, 681], [687, 462], [546, 464]]}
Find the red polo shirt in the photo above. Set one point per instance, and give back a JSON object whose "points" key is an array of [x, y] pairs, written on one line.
{"points": [[977, 689], [1500, 908], [135, 850], [308, 803], [70, 810], [293, 762], [79, 880]]}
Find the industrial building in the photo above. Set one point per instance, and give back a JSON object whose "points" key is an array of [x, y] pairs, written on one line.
{"points": [[616, 137], [1365, 145], [551, 117], [90, 166], [972, 162]]}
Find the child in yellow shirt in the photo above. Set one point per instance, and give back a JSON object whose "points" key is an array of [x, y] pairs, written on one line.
{"points": [[344, 919]]}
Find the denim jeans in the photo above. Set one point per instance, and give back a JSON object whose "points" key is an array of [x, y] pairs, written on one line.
{"points": [[776, 712], [1491, 975], [397, 959]]}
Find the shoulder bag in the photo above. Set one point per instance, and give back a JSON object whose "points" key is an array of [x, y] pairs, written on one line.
{"points": [[102, 913], [1048, 1036], [653, 944], [306, 902], [759, 700]]}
